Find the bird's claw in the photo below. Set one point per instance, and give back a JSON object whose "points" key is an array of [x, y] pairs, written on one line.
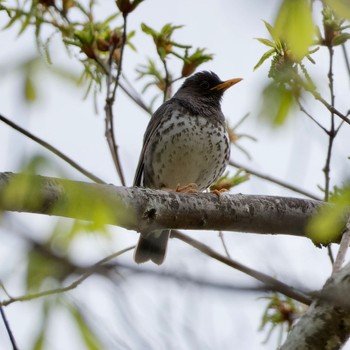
{"points": [[190, 188], [219, 192]]}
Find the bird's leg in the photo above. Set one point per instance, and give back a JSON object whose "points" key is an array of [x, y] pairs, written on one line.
{"points": [[219, 192], [190, 188]]}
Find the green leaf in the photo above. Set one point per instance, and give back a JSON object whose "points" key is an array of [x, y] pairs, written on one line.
{"points": [[136, 3], [12, 20], [20, 192], [340, 7], [329, 223], [40, 339], [148, 30], [266, 42], [109, 19], [191, 62], [264, 57], [294, 25], [277, 103], [271, 30], [341, 39], [226, 182], [45, 266], [100, 210], [90, 339], [29, 92], [285, 104], [25, 24]]}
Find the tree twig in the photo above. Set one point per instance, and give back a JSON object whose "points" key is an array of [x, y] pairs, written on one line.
{"points": [[333, 110], [166, 79], [346, 58], [268, 281], [331, 131], [222, 238], [8, 329], [343, 248], [89, 271], [310, 116], [52, 149], [133, 94], [331, 136], [110, 100], [273, 180]]}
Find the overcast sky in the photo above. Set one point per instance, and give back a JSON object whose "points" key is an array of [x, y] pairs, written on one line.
{"points": [[295, 153]]}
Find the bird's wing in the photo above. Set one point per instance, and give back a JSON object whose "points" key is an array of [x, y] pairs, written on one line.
{"points": [[152, 127]]}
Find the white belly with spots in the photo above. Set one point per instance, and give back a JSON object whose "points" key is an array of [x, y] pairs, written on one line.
{"points": [[187, 150]]}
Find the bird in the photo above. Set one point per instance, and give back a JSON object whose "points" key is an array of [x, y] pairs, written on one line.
{"points": [[185, 148]]}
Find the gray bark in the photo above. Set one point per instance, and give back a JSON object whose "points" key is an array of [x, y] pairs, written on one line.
{"points": [[144, 209], [326, 323]]}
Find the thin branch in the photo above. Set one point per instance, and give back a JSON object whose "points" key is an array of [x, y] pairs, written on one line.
{"points": [[133, 94], [331, 136], [89, 271], [240, 122], [331, 131], [110, 100], [317, 96], [310, 116], [246, 153], [8, 329], [183, 278], [268, 281], [119, 71], [52, 149], [346, 58], [333, 110], [343, 248], [222, 238], [129, 90], [339, 126], [273, 180], [166, 79]]}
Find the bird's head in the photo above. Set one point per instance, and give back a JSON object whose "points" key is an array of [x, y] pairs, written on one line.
{"points": [[205, 85]]}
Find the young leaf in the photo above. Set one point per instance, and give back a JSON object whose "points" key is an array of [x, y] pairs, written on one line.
{"points": [[266, 42], [340, 7], [294, 25], [264, 57], [277, 103], [90, 339], [327, 226]]}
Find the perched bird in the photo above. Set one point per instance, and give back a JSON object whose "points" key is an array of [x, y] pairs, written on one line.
{"points": [[185, 143]]}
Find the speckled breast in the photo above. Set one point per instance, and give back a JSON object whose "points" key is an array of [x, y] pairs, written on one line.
{"points": [[186, 149]]}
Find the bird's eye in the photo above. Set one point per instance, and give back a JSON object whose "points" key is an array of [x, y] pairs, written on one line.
{"points": [[204, 85]]}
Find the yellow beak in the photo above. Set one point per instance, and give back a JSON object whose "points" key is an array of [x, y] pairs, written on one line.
{"points": [[226, 84]]}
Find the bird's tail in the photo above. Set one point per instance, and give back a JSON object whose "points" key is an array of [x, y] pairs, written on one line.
{"points": [[153, 247]]}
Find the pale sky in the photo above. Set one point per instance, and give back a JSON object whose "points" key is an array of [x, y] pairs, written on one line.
{"points": [[162, 311]]}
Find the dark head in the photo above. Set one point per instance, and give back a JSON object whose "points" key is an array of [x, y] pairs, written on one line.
{"points": [[205, 87]]}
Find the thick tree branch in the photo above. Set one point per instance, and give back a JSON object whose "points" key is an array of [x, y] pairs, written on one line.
{"points": [[326, 324], [145, 210]]}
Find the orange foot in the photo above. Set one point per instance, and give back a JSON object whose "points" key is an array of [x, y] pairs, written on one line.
{"points": [[190, 188], [218, 192]]}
